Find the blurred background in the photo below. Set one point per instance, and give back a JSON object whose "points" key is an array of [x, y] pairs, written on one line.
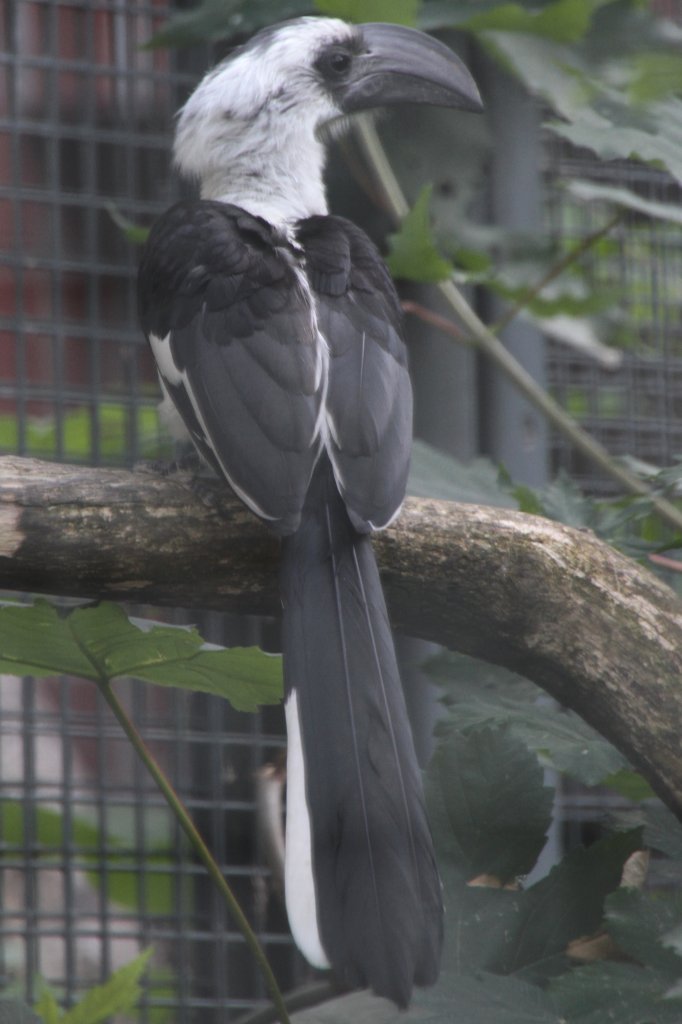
{"points": [[92, 867]]}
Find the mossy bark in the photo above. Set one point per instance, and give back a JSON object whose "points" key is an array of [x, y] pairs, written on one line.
{"points": [[594, 629]]}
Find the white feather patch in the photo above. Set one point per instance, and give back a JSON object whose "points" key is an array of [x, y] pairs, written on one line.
{"points": [[170, 417], [170, 374], [163, 354], [299, 883]]}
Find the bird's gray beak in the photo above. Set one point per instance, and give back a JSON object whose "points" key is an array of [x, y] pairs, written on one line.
{"points": [[403, 65]]}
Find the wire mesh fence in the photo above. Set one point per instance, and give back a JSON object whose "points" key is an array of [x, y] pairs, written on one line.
{"points": [[635, 407], [92, 866], [84, 126]]}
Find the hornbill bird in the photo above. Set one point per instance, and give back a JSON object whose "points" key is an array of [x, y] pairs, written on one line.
{"points": [[277, 333]]}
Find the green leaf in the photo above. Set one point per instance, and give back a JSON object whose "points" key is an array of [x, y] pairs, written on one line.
{"points": [[36, 640], [12, 1012], [613, 992], [615, 131], [662, 830], [526, 933], [548, 69], [639, 922], [589, 191], [433, 474], [528, 499], [562, 21], [563, 501], [580, 84], [47, 1006], [46, 832], [133, 232], [479, 695], [482, 998], [629, 784], [565, 905], [490, 789], [117, 995], [44, 829], [413, 254], [100, 643], [656, 76], [213, 20], [401, 12]]}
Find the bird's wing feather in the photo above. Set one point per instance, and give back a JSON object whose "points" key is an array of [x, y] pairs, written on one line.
{"points": [[234, 333], [369, 399]]}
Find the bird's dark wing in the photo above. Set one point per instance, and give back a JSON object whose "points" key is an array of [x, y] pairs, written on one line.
{"points": [[369, 398], [230, 320]]}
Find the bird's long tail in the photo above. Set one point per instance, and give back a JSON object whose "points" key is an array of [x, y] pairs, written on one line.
{"points": [[363, 893]]}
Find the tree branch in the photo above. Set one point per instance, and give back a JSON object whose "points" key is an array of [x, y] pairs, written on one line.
{"points": [[590, 626]]}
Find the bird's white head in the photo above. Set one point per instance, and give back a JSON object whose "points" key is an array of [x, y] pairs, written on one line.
{"points": [[250, 132]]}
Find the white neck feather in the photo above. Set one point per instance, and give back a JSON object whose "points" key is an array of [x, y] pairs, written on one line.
{"points": [[277, 177], [248, 133]]}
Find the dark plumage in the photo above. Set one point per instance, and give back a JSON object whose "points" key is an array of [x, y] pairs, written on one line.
{"points": [[277, 333]]}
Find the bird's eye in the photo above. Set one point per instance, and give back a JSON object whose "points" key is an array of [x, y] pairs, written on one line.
{"points": [[339, 62], [335, 63]]}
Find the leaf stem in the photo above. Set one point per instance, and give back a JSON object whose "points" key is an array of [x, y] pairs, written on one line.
{"points": [[500, 355], [554, 271], [429, 316], [198, 844]]}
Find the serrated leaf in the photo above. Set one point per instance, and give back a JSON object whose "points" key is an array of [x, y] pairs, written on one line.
{"points": [[564, 501], [622, 993], [562, 21], [213, 20], [450, 13], [565, 905], [654, 138], [13, 1012], [656, 75], [100, 643], [412, 250], [497, 810], [47, 1006], [639, 922], [528, 499], [629, 784], [481, 695], [589, 191], [470, 999], [433, 474], [547, 69], [363, 1007], [662, 830], [526, 933], [595, 113], [117, 995], [484, 997], [36, 640], [400, 12]]}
